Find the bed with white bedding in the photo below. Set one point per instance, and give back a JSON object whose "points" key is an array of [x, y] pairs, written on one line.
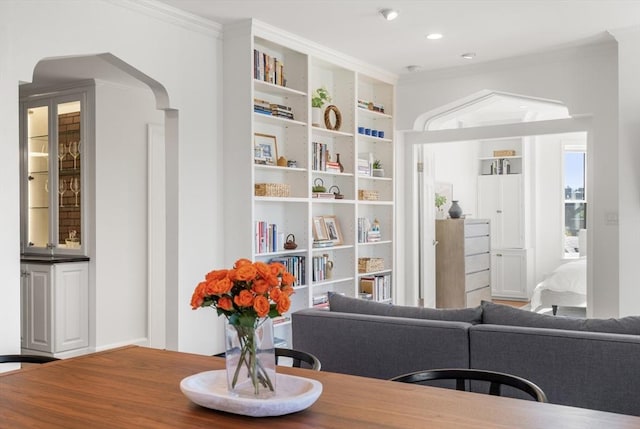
{"points": [[566, 286]]}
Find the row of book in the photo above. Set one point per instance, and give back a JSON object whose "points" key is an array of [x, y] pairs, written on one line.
{"points": [[322, 159], [296, 265], [322, 268], [268, 68], [272, 109], [267, 237], [368, 232], [379, 287], [370, 105]]}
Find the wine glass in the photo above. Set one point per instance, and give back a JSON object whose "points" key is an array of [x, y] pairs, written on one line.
{"points": [[62, 188], [74, 151], [74, 186], [62, 152]]}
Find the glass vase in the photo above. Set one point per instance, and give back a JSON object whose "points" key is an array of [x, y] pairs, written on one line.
{"points": [[250, 359]]}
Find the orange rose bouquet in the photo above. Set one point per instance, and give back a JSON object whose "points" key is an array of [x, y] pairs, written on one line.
{"points": [[246, 295]]}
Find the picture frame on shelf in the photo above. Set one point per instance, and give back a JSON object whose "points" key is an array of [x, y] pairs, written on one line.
{"points": [[265, 149], [332, 227], [319, 229]]}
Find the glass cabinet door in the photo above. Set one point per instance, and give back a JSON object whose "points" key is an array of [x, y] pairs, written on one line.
{"points": [[38, 186], [53, 187]]}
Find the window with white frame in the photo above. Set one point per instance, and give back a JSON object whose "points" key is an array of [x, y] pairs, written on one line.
{"points": [[575, 197]]}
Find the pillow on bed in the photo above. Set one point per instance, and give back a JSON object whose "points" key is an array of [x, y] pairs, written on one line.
{"points": [[344, 304], [498, 314]]}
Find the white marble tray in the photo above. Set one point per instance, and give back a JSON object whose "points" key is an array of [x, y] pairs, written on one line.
{"points": [[209, 389]]}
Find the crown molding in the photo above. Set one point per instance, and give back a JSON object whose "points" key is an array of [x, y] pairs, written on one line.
{"points": [[164, 12]]}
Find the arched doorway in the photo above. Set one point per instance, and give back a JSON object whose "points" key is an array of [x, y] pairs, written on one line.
{"points": [[129, 261], [450, 139]]}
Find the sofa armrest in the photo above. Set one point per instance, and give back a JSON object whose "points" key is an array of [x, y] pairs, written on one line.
{"points": [[583, 369], [379, 346]]}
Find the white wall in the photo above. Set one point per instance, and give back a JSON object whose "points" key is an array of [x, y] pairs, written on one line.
{"points": [[585, 79], [120, 262], [457, 163], [186, 62]]}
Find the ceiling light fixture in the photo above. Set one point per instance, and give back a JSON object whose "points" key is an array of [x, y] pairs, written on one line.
{"points": [[413, 68], [389, 14], [468, 55], [434, 36]]}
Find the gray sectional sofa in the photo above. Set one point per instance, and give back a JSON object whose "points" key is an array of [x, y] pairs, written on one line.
{"points": [[589, 363]]}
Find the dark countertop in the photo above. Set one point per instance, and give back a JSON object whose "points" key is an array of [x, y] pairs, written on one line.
{"points": [[52, 259]]}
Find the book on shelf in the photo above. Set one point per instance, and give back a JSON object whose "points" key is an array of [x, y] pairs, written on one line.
{"points": [[268, 68], [379, 286], [322, 243], [278, 320], [333, 167], [323, 195], [294, 264]]}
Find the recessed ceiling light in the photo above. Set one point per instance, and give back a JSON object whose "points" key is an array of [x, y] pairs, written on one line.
{"points": [[389, 14], [434, 36], [413, 68], [468, 55]]}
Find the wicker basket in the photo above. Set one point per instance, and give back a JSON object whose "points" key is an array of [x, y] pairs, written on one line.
{"points": [[364, 194], [271, 190], [367, 265], [504, 152]]}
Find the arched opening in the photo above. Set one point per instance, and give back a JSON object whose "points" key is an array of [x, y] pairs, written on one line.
{"points": [[131, 213], [459, 145]]}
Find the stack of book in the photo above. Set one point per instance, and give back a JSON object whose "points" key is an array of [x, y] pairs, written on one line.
{"points": [[281, 111], [333, 167], [328, 195], [322, 243], [268, 68], [261, 106]]}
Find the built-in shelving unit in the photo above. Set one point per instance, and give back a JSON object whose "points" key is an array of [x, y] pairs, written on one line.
{"points": [[287, 205]]}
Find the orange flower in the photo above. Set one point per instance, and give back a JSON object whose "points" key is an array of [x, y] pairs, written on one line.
{"points": [[275, 294], [288, 278], [246, 273], [283, 304], [260, 286], [288, 290], [261, 306], [240, 262], [198, 295], [216, 275], [243, 299], [277, 268], [225, 303], [218, 287], [263, 269]]}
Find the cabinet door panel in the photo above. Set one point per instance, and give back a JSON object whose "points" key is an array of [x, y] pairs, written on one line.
{"points": [[71, 306], [512, 215], [39, 329], [508, 271], [489, 205]]}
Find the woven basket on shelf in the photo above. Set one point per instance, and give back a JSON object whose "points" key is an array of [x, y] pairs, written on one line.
{"points": [[364, 194], [272, 190], [367, 265]]}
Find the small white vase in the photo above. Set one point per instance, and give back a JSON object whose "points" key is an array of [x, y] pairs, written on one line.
{"points": [[317, 117]]}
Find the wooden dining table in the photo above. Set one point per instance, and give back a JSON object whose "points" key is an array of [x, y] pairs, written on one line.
{"points": [[139, 387]]}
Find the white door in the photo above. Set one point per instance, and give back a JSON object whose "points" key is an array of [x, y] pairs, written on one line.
{"points": [[509, 273], [489, 201], [511, 207]]}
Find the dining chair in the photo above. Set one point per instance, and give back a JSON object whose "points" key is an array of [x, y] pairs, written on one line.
{"points": [[26, 359], [298, 358], [496, 380]]}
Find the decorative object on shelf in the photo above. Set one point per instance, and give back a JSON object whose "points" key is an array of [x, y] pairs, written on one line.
{"points": [[318, 98], [446, 190], [378, 171], [368, 265], [319, 230], [282, 162], [455, 211], [328, 267], [271, 189], [332, 123], [318, 185], [290, 244], [504, 152], [333, 229], [339, 163], [368, 195], [440, 202], [265, 149], [292, 164], [249, 295], [336, 193], [73, 242]]}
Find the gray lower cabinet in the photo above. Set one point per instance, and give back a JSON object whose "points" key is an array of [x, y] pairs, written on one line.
{"points": [[463, 262], [55, 307]]}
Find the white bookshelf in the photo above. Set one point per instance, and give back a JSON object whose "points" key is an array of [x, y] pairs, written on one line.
{"points": [[307, 66]]}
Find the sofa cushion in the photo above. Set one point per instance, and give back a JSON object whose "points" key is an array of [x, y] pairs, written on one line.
{"points": [[498, 314], [344, 304]]}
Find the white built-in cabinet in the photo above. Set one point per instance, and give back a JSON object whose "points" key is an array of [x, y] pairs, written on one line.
{"points": [[55, 307], [503, 198], [258, 224]]}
